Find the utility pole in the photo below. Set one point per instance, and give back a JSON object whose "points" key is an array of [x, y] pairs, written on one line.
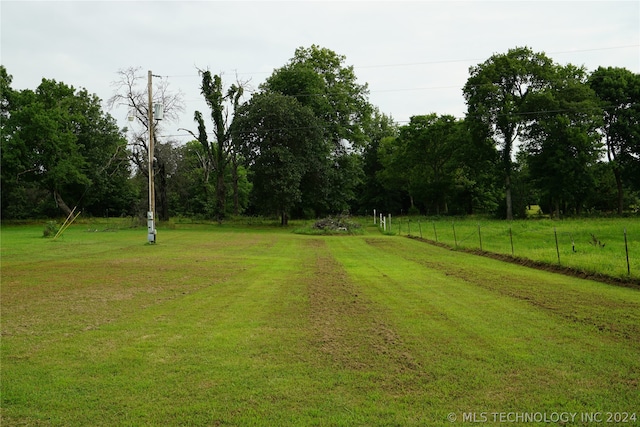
{"points": [[151, 214]]}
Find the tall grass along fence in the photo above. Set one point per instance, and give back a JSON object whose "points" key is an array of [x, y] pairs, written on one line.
{"points": [[609, 247]]}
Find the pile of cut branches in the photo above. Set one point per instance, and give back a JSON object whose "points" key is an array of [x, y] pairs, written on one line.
{"points": [[338, 224]]}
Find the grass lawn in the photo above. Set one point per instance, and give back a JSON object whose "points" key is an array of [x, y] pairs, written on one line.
{"points": [[593, 245], [259, 326]]}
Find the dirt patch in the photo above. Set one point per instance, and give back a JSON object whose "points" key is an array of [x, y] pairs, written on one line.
{"points": [[347, 328]]}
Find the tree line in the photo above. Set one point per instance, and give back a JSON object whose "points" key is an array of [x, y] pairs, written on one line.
{"points": [[308, 143]]}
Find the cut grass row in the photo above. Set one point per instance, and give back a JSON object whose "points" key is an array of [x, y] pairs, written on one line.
{"points": [[213, 326]]}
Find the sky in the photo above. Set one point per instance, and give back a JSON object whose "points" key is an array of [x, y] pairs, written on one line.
{"points": [[414, 56]]}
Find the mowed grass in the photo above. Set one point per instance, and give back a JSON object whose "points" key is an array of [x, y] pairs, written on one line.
{"points": [[257, 326]]}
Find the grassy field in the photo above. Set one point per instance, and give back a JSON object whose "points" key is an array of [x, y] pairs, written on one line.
{"points": [[587, 245], [257, 326]]}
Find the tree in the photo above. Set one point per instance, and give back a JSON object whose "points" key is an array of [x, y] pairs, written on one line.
{"points": [[496, 94], [432, 145], [280, 140], [318, 79], [619, 92], [221, 152], [477, 180], [393, 174], [562, 141], [371, 192], [57, 141], [131, 90], [433, 161]]}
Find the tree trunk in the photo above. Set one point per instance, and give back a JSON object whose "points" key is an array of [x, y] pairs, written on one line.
{"points": [[616, 173], [234, 173], [220, 194], [163, 214], [507, 193], [556, 209], [60, 203]]}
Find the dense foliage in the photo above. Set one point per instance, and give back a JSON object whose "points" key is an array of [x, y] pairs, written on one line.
{"points": [[60, 150], [308, 144]]}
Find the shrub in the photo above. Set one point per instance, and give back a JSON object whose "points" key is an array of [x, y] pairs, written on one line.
{"points": [[50, 229]]}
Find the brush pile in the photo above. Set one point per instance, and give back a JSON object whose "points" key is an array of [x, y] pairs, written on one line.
{"points": [[338, 224]]}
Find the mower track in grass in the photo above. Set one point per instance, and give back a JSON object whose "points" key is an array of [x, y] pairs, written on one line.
{"points": [[467, 316], [348, 328], [577, 301]]}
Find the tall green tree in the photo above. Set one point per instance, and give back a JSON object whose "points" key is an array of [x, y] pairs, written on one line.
{"points": [[220, 153], [58, 141], [496, 94], [372, 194], [318, 78], [190, 189], [618, 90], [432, 145], [394, 171], [433, 160], [280, 139], [562, 142]]}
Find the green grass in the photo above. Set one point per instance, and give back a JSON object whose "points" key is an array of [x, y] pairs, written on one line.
{"points": [[536, 240], [253, 325]]}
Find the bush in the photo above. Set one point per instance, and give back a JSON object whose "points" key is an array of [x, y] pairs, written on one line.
{"points": [[50, 229]]}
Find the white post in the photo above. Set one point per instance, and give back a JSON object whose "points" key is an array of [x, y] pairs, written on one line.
{"points": [[384, 224], [389, 221], [374, 217]]}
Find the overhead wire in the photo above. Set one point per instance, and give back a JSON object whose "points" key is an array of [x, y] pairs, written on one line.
{"points": [[436, 62], [390, 65], [408, 65]]}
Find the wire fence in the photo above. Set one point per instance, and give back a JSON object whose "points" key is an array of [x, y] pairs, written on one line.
{"points": [[609, 247]]}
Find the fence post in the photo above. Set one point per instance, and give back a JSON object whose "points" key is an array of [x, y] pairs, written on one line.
{"points": [[409, 227], [374, 217], [511, 238], [626, 249], [555, 233], [480, 237], [435, 233], [455, 239], [420, 228]]}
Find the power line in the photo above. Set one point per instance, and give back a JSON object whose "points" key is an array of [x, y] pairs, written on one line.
{"points": [[435, 62]]}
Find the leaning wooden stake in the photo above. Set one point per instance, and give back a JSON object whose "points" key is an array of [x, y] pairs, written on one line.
{"points": [[626, 248], [67, 223], [64, 223]]}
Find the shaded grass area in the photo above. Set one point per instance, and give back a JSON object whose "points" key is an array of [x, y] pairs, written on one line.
{"points": [[214, 326]]}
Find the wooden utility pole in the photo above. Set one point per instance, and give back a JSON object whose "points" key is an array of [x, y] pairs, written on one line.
{"points": [[151, 214]]}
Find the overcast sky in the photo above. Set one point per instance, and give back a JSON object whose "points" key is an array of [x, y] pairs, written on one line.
{"points": [[415, 56]]}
